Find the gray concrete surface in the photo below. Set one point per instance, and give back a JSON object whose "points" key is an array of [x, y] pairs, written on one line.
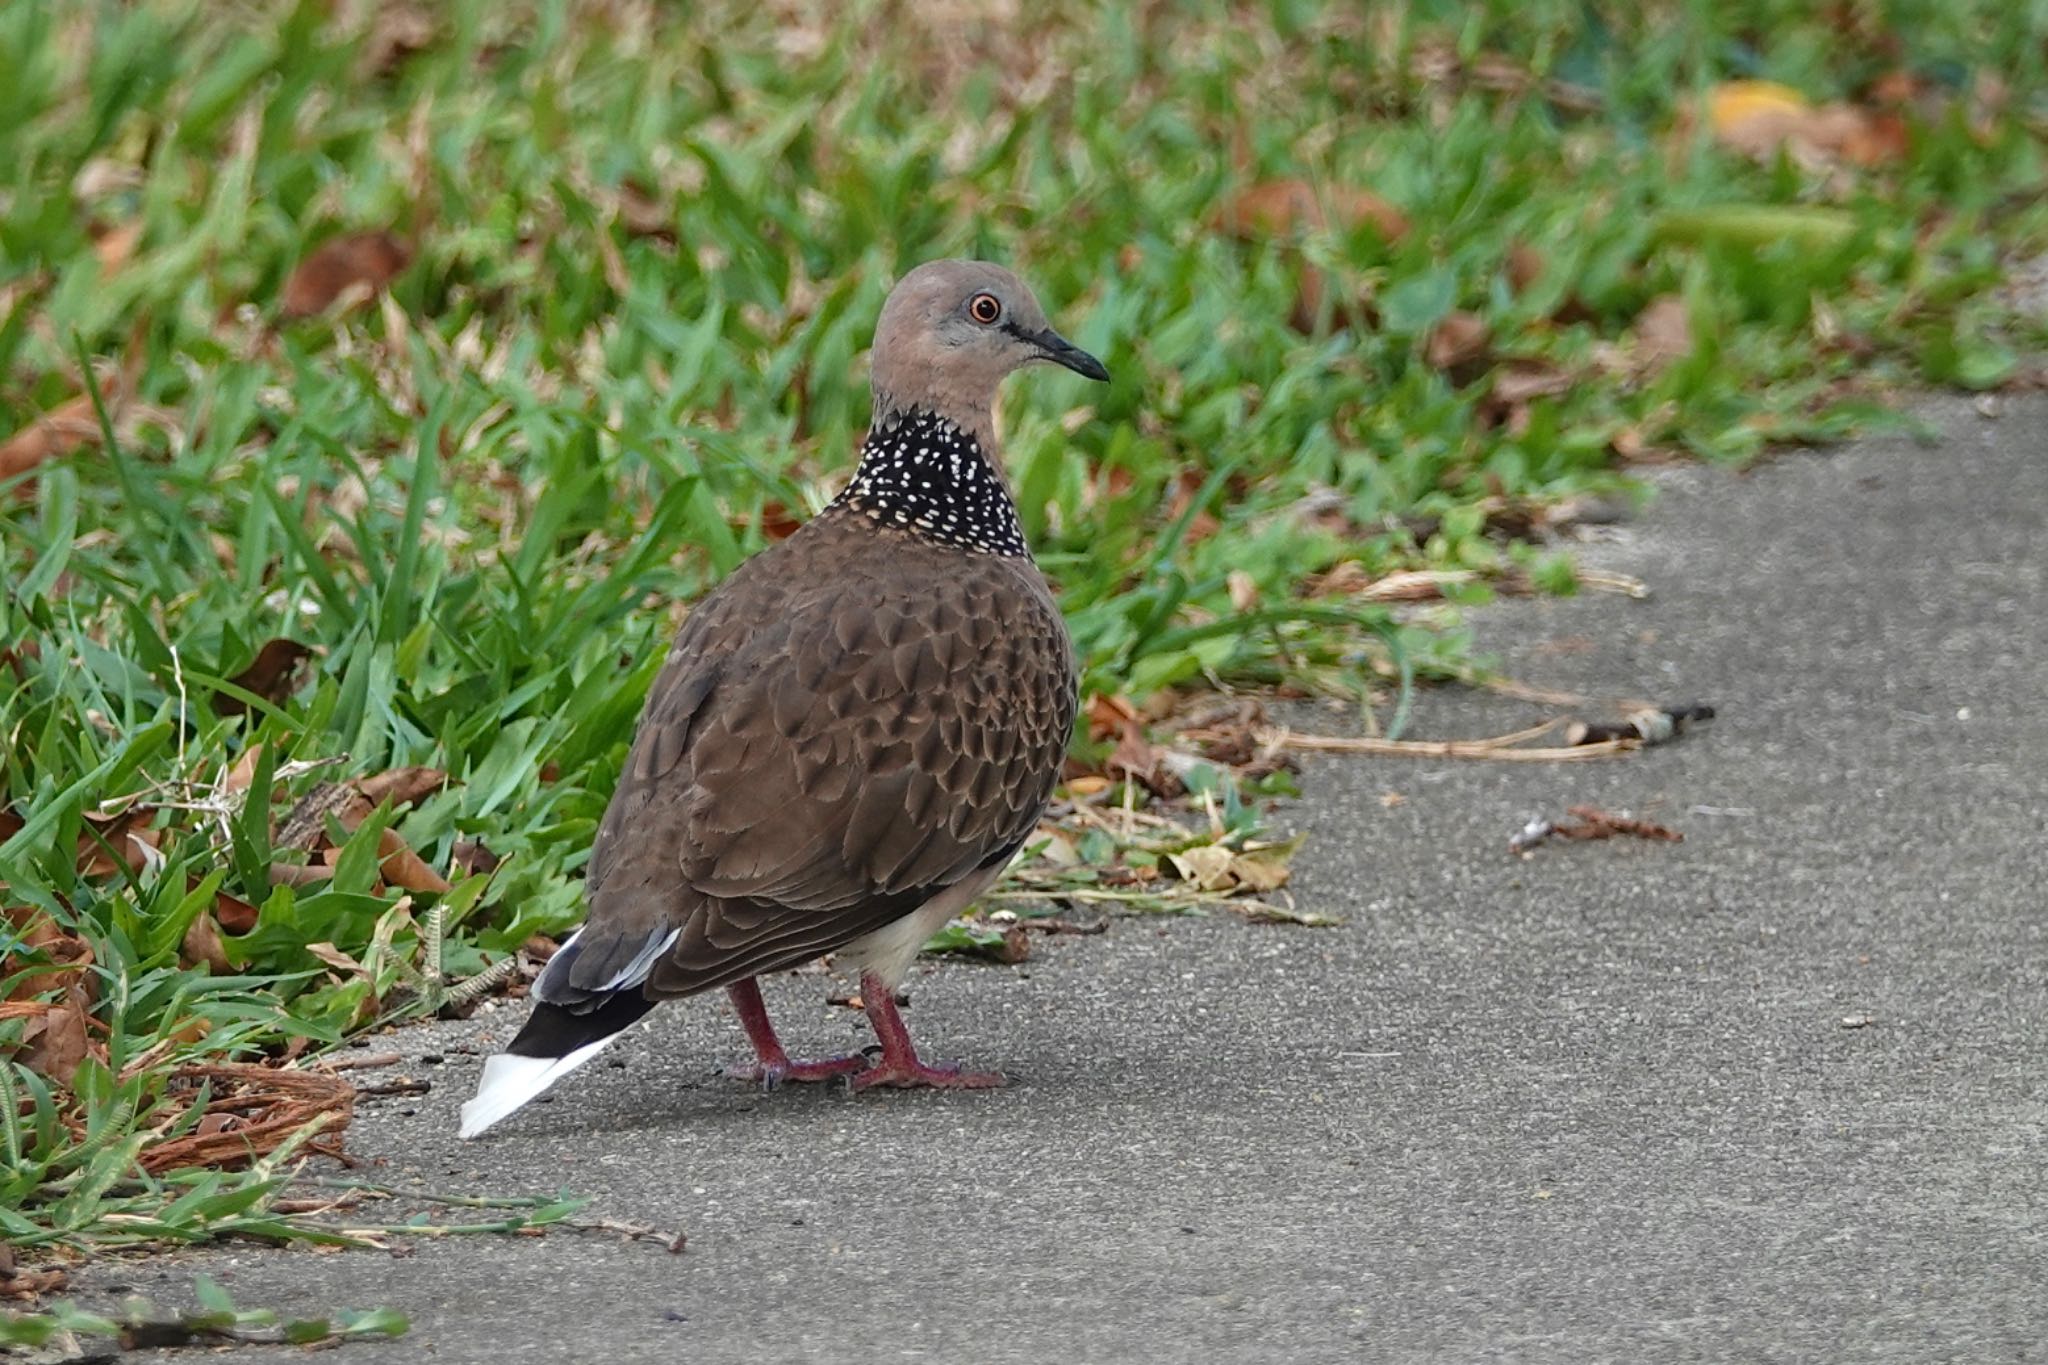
{"points": [[1599, 1104]]}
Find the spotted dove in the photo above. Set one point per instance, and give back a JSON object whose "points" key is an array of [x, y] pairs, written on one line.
{"points": [[851, 735]]}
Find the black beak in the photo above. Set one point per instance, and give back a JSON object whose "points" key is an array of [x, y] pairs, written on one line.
{"points": [[1061, 351]]}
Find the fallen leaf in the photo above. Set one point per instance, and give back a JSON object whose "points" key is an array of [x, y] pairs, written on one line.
{"points": [[1459, 347], [201, 946], [1108, 713], [70, 956], [1203, 524], [110, 843], [1208, 866], [644, 215], [56, 1042], [116, 246], [69, 426], [1663, 334], [337, 959], [401, 785], [776, 521], [1283, 208], [235, 915], [404, 868], [348, 270], [472, 857], [1243, 588], [1525, 266], [273, 676], [1517, 384], [1139, 760], [1259, 875], [1758, 118]]}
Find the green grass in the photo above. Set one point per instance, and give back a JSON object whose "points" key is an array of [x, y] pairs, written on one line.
{"points": [[648, 243]]}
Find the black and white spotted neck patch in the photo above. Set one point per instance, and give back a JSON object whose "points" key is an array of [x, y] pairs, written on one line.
{"points": [[930, 477]]}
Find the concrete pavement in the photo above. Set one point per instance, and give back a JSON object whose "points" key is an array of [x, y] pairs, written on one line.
{"points": [[1599, 1104]]}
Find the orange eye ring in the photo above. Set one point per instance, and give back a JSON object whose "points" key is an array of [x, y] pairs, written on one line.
{"points": [[984, 309]]}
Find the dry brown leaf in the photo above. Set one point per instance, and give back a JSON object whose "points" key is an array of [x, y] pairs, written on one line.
{"points": [[235, 915], [1108, 714], [121, 842], [116, 246], [69, 426], [202, 946], [70, 957], [1460, 347], [298, 874], [273, 675], [401, 785], [337, 959], [404, 868], [1517, 384], [1663, 334], [642, 214], [1525, 266], [348, 270], [1139, 760], [1259, 875], [1203, 524], [472, 857], [55, 1041], [1283, 208], [776, 521]]}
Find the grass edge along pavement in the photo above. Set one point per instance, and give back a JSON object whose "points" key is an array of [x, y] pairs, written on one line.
{"points": [[409, 410]]}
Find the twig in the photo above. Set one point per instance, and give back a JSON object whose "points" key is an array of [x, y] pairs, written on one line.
{"points": [[672, 1242], [369, 1061], [1498, 748]]}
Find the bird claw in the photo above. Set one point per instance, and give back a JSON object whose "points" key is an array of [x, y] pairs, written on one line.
{"points": [[914, 1075], [768, 1075]]}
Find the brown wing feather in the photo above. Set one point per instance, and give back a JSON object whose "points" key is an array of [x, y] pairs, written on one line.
{"points": [[851, 724]]}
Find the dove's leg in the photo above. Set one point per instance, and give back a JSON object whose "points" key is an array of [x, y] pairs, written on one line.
{"points": [[898, 1064], [773, 1066]]}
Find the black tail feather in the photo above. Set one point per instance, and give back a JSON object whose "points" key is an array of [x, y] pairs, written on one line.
{"points": [[552, 1031]]}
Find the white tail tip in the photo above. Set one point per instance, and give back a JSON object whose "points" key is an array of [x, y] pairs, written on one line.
{"points": [[510, 1081]]}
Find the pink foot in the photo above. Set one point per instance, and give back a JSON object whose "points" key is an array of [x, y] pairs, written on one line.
{"points": [[773, 1073], [898, 1064], [772, 1066], [915, 1073]]}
